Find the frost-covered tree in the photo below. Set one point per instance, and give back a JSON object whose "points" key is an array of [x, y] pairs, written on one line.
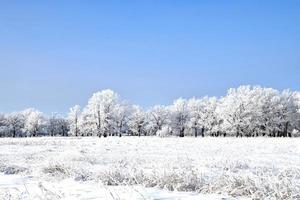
{"points": [[203, 117], [3, 127], [52, 127], [158, 117], [265, 118], [86, 125], [196, 110], [15, 123], [244, 111], [120, 117], [57, 125], [137, 121], [73, 119], [238, 109], [179, 116], [165, 131], [288, 112], [254, 111], [210, 120], [62, 126], [297, 119], [98, 114], [34, 122]]}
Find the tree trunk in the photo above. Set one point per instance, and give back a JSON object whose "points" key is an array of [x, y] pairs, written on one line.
{"points": [[202, 131], [181, 133], [285, 132], [76, 131], [14, 132]]}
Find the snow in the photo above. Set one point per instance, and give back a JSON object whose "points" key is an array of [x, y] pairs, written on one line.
{"points": [[68, 189], [134, 168]]}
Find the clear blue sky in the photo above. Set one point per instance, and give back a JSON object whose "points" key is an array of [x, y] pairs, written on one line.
{"points": [[54, 54]]}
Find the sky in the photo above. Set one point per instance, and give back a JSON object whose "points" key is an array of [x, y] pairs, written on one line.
{"points": [[55, 54]]}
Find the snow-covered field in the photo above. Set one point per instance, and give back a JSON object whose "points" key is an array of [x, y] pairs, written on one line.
{"points": [[149, 168]]}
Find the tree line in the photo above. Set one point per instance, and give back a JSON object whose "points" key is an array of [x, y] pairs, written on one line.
{"points": [[245, 111]]}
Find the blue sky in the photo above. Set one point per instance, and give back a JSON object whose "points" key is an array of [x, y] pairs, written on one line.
{"points": [[55, 54]]}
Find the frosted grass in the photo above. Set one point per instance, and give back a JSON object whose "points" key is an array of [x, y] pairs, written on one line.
{"points": [[255, 168]]}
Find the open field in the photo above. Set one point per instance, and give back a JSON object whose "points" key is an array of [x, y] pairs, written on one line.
{"points": [[146, 167]]}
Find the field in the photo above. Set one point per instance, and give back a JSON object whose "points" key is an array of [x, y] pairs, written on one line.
{"points": [[134, 168]]}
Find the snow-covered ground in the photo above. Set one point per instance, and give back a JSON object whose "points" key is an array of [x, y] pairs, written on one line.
{"points": [[134, 168]]}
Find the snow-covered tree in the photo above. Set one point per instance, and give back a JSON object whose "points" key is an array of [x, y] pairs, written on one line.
{"points": [[98, 114], [238, 109], [265, 118], [253, 111], [15, 123], [87, 126], [73, 118], [297, 119], [120, 117], [210, 119], [62, 126], [52, 128], [158, 117], [196, 110], [137, 121], [244, 111], [288, 112], [203, 117], [165, 131], [179, 116], [57, 125], [34, 122], [3, 127]]}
